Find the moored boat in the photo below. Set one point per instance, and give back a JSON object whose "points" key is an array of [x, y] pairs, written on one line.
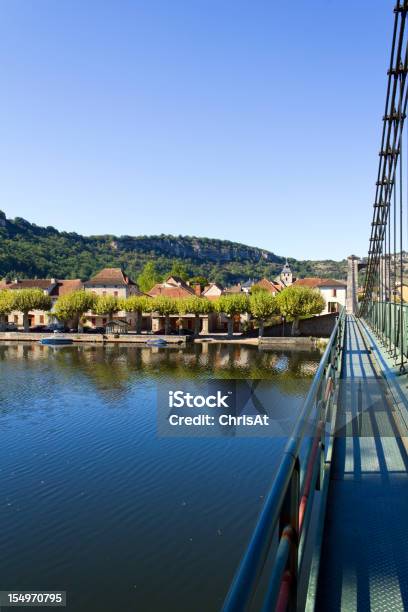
{"points": [[55, 341], [156, 342]]}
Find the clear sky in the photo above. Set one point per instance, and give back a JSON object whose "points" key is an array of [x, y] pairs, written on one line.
{"points": [[256, 121]]}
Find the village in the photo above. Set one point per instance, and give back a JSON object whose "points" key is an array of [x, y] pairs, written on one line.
{"points": [[111, 302]]}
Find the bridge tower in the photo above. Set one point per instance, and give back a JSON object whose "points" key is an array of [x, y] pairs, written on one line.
{"points": [[352, 284]]}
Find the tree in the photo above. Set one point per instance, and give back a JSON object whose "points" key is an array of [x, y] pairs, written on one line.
{"points": [[72, 306], [149, 276], [231, 305], [107, 304], [297, 302], [165, 306], [25, 300], [138, 304], [178, 269], [262, 306], [199, 280], [197, 306], [6, 306]]}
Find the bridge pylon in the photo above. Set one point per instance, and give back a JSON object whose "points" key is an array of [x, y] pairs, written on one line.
{"points": [[352, 284]]}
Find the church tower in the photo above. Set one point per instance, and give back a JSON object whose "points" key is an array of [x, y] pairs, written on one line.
{"points": [[286, 276]]}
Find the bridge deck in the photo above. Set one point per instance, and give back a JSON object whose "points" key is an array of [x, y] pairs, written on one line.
{"points": [[364, 562]]}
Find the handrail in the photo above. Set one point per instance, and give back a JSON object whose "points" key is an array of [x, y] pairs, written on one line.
{"points": [[281, 507], [389, 322]]}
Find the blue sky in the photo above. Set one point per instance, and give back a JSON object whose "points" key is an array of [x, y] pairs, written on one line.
{"points": [[256, 121]]}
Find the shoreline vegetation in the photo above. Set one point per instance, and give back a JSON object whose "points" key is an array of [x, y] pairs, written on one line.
{"points": [[291, 304]]}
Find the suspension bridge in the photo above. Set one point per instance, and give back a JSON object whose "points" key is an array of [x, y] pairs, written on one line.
{"points": [[333, 532]]}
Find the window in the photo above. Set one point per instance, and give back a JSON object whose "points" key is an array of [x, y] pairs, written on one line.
{"points": [[103, 321], [334, 292], [93, 321], [41, 319], [103, 292], [115, 293], [16, 319]]}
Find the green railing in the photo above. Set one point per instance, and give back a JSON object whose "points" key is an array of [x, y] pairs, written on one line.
{"points": [[275, 556], [389, 321]]}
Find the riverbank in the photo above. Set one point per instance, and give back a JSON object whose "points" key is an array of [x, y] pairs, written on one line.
{"points": [[94, 338], [265, 342]]}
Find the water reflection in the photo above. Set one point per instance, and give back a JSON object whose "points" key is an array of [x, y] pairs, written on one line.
{"points": [[91, 495], [114, 365]]}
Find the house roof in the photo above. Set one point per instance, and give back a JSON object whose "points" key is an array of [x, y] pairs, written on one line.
{"points": [[170, 291], [110, 276], [270, 286], [211, 286], [234, 288], [173, 286], [318, 282], [248, 284], [66, 286], [177, 281], [30, 283], [206, 293]]}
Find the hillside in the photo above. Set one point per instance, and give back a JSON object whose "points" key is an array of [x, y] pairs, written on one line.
{"points": [[27, 250]]}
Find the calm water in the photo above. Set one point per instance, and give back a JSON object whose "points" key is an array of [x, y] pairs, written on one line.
{"points": [[93, 502]]}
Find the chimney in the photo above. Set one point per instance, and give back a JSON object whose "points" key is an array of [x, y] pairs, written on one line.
{"points": [[15, 281], [52, 281], [197, 289]]}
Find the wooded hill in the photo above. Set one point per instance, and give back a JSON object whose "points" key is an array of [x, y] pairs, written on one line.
{"points": [[29, 251]]}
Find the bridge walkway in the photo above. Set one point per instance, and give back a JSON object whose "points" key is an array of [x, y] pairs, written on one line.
{"points": [[364, 561]]}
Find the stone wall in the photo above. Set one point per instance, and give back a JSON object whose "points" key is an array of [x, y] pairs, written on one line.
{"points": [[317, 327]]}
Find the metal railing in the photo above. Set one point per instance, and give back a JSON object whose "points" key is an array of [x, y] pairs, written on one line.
{"points": [[286, 514], [389, 322]]}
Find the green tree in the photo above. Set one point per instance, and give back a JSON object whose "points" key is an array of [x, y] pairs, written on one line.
{"points": [[72, 306], [6, 306], [149, 276], [231, 305], [165, 306], [107, 304], [25, 300], [298, 302], [138, 304], [262, 307], [197, 306]]}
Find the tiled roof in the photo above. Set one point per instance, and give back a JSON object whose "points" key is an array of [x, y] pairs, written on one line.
{"points": [[109, 276], [177, 281], [29, 283], [318, 282], [270, 286], [233, 289], [66, 286], [170, 291], [173, 286]]}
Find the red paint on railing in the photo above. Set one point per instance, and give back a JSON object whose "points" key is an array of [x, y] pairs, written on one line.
{"points": [[309, 476], [283, 598], [329, 388]]}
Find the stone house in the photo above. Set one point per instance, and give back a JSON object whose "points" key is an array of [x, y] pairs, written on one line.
{"points": [[50, 286], [333, 291], [114, 282]]}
